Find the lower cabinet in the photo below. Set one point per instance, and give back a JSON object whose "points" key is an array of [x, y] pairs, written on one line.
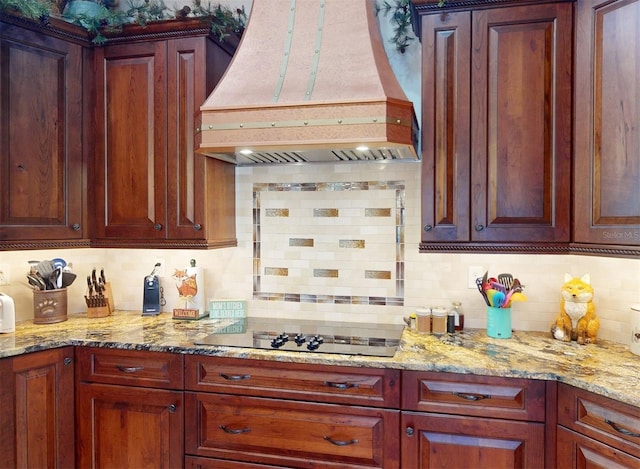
{"points": [[138, 423], [595, 431], [462, 421], [37, 414], [228, 420]]}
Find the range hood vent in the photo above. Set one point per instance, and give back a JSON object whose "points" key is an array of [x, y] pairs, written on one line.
{"points": [[310, 82]]}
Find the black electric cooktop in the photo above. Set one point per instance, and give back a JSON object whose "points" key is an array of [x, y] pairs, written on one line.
{"points": [[378, 340]]}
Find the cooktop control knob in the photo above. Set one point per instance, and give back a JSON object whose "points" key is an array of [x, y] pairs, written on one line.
{"points": [[299, 339], [315, 343], [280, 340]]}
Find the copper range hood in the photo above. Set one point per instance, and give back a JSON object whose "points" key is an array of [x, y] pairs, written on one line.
{"points": [[310, 82]]}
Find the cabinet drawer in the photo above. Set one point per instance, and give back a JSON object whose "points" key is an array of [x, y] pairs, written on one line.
{"points": [[606, 420], [295, 434], [130, 367], [483, 396], [342, 385], [578, 451]]}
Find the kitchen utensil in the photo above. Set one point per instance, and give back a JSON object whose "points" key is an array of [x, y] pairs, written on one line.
{"points": [[67, 278], [518, 296], [506, 280], [45, 270], [517, 286], [59, 262], [498, 286], [35, 281], [55, 278], [498, 299], [484, 281], [479, 284], [490, 294]]}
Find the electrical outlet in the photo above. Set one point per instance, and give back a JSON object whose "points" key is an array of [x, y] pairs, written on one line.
{"points": [[474, 272], [4, 274], [160, 270]]}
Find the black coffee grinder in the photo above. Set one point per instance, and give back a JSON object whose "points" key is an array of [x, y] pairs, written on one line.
{"points": [[151, 294]]}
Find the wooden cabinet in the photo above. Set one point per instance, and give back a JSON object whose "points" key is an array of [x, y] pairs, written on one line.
{"points": [[129, 409], [595, 431], [37, 401], [42, 177], [607, 123], [496, 107], [150, 187], [451, 420], [289, 415]]}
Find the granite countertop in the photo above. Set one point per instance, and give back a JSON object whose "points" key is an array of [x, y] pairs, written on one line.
{"points": [[605, 368]]}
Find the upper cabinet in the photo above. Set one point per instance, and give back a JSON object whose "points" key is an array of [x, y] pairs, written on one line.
{"points": [[150, 187], [42, 176], [607, 123], [496, 107]]}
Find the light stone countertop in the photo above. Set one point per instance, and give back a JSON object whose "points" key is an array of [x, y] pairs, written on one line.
{"points": [[605, 368]]}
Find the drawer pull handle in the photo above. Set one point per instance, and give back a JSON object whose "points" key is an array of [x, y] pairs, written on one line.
{"points": [[129, 369], [235, 377], [340, 442], [340, 385], [620, 429], [237, 431], [471, 396]]}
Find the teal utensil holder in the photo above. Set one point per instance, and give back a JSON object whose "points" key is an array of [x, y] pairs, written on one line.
{"points": [[498, 322]]}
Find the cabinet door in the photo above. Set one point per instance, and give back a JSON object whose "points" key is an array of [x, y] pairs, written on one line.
{"points": [[576, 451], [201, 190], [131, 141], [186, 59], [521, 123], [41, 172], [607, 123], [434, 440], [497, 125], [126, 426], [446, 42], [38, 410]]}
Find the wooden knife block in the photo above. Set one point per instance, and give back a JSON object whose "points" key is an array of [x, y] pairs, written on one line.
{"points": [[103, 311]]}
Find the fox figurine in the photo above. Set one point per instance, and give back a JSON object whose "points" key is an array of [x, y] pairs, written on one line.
{"points": [[577, 319]]}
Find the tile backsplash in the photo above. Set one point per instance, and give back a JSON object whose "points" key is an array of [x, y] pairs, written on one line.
{"points": [[340, 242]]}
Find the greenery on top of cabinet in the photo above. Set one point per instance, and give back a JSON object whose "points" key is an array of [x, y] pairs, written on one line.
{"points": [[100, 16]]}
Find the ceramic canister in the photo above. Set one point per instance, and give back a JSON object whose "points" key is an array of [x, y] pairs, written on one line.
{"points": [[7, 314], [635, 329]]}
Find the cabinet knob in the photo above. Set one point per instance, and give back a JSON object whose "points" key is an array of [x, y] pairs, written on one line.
{"points": [[479, 227], [172, 407], [67, 361], [409, 431], [197, 227], [157, 226], [428, 228], [76, 227]]}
